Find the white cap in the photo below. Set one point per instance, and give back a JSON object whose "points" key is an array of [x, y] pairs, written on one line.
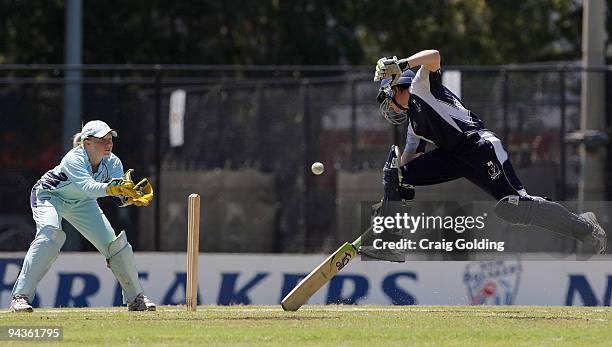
{"points": [[96, 128]]}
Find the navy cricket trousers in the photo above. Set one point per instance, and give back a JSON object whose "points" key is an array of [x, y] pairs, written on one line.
{"points": [[482, 160]]}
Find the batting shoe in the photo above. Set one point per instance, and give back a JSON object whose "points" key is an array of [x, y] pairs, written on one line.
{"points": [[598, 237], [141, 303], [20, 304]]}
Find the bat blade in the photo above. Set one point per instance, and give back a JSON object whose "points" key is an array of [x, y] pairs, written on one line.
{"points": [[318, 277]]}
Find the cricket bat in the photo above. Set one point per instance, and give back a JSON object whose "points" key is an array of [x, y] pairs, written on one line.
{"points": [[330, 266], [321, 275]]}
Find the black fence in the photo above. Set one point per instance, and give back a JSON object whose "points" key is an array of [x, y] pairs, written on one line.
{"points": [[273, 121]]}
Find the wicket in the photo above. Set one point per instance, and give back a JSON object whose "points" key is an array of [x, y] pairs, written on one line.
{"points": [[193, 251]]}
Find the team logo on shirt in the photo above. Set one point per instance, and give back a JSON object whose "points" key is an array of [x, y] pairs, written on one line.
{"points": [[494, 171], [417, 105]]}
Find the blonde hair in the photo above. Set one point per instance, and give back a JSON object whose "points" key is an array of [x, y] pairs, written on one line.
{"points": [[76, 140]]}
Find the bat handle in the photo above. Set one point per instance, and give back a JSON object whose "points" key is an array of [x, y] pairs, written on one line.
{"points": [[357, 243]]}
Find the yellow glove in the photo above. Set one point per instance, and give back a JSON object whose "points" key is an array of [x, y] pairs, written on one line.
{"points": [[121, 188], [126, 191], [145, 190]]}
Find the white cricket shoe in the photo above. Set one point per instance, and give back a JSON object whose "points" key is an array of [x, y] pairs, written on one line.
{"points": [[141, 303], [20, 304], [598, 237]]}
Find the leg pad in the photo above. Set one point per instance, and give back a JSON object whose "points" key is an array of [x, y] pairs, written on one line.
{"points": [[123, 265]]}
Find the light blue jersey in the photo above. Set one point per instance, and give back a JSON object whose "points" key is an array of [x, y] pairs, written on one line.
{"points": [[74, 180], [70, 192]]}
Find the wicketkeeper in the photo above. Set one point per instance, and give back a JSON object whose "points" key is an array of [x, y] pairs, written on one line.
{"points": [[69, 191], [465, 148]]}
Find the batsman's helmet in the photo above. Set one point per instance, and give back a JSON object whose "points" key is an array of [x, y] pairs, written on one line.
{"points": [[386, 98]]}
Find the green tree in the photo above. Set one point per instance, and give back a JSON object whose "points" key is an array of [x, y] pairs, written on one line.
{"points": [[294, 31]]}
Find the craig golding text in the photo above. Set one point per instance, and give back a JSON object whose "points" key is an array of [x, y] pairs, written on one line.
{"points": [[442, 245]]}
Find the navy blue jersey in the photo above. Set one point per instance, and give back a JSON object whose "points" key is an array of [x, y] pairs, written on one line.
{"points": [[436, 115]]}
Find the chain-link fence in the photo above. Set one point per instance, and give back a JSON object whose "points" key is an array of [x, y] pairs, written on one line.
{"points": [[251, 135]]}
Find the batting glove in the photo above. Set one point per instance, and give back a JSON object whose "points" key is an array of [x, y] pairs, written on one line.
{"points": [[388, 67]]}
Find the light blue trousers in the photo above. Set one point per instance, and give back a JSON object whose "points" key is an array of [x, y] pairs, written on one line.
{"points": [[48, 211]]}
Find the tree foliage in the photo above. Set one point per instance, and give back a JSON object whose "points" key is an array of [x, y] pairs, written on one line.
{"points": [[294, 31]]}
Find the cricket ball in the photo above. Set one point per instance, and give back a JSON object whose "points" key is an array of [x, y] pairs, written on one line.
{"points": [[317, 168]]}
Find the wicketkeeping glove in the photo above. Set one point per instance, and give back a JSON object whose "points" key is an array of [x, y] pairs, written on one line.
{"points": [[121, 188], [145, 189], [141, 194]]}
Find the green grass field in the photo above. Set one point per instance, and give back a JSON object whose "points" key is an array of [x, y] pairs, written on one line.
{"points": [[327, 325]]}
